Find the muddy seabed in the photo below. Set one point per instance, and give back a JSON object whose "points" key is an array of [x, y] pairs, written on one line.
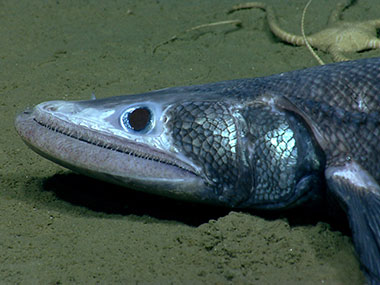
{"points": [[57, 227]]}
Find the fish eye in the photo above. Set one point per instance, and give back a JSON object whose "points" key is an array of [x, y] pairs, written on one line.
{"points": [[137, 119]]}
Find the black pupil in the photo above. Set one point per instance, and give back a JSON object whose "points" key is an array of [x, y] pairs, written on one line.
{"points": [[139, 119]]}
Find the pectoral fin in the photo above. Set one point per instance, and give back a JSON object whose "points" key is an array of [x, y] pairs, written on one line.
{"points": [[359, 194]]}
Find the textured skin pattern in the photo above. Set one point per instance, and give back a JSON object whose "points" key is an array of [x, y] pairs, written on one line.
{"points": [[338, 106], [341, 102], [248, 153], [283, 156], [206, 132], [274, 157]]}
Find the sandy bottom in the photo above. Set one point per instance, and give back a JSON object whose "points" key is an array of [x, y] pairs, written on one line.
{"points": [[57, 227]]}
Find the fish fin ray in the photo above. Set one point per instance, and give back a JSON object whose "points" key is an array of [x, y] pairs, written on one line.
{"points": [[359, 194]]}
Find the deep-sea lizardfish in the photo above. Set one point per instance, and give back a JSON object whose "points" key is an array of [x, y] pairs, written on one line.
{"points": [[269, 143]]}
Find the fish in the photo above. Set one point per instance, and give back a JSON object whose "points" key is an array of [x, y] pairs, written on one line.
{"points": [[274, 142]]}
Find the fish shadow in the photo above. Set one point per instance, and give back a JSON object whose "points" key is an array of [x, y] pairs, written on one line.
{"points": [[103, 197]]}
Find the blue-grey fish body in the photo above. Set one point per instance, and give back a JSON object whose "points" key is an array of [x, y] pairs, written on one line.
{"points": [[267, 143]]}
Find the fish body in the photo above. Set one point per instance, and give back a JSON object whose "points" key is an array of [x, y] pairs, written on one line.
{"points": [[266, 143]]}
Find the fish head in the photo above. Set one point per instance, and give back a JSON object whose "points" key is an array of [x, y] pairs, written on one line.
{"points": [[167, 142]]}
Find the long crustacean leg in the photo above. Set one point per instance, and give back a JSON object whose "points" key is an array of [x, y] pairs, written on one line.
{"points": [[338, 37], [272, 22]]}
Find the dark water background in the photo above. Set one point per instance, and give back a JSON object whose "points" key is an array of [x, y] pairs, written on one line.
{"points": [[57, 227]]}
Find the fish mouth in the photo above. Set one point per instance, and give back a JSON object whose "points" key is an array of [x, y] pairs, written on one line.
{"points": [[108, 142], [107, 156]]}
